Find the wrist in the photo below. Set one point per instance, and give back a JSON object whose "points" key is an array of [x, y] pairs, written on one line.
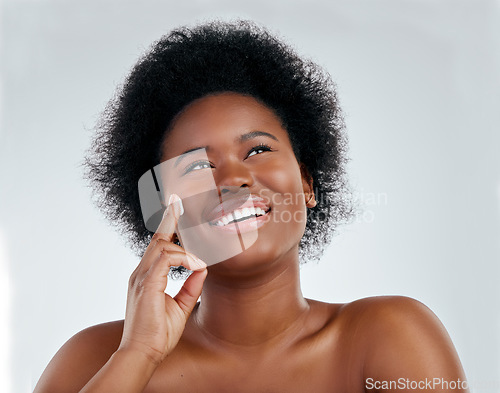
{"points": [[127, 371], [145, 361]]}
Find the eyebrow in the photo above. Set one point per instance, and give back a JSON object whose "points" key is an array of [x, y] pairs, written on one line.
{"points": [[239, 139], [190, 151], [254, 134]]}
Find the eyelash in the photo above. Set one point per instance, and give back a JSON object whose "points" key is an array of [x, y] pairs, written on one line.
{"points": [[260, 146]]}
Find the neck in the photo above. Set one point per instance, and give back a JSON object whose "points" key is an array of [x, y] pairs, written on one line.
{"points": [[254, 311]]}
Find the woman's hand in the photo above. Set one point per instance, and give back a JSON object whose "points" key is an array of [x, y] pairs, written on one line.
{"points": [[154, 321]]}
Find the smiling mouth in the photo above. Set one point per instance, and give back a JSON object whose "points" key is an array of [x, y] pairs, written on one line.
{"points": [[240, 215]]}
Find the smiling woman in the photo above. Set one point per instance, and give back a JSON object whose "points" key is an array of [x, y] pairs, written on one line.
{"points": [[192, 63], [233, 107]]}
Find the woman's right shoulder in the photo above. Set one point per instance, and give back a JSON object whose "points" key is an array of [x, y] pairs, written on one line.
{"points": [[80, 358]]}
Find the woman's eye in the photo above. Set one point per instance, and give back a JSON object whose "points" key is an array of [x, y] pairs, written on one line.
{"points": [[195, 166], [259, 149]]}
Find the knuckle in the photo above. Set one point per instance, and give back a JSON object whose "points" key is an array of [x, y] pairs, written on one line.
{"points": [[164, 257], [166, 248], [170, 259], [158, 237]]}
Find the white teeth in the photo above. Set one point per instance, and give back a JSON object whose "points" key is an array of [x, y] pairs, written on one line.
{"points": [[238, 214]]}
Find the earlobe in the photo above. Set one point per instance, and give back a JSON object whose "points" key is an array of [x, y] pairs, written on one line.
{"points": [[307, 185], [311, 202]]}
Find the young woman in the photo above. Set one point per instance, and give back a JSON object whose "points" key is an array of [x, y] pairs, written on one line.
{"points": [[270, 124]]}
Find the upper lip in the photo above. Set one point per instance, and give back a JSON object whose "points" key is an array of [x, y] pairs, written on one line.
{"points": [[231, 204]]}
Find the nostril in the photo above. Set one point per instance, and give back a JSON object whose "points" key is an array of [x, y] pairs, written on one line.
{"points": [[233, 189]]}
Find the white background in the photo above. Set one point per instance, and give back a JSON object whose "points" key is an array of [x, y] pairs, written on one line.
{"points": [[419, 82]]}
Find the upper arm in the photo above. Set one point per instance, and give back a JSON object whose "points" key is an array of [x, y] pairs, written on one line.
{"points": [[409, 345], [79, 359]]}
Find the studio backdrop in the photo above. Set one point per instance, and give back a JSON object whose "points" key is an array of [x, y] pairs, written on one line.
{"points": [[418, 82]]}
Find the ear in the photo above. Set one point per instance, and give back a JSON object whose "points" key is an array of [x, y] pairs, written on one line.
{"points": [[307, 186]]}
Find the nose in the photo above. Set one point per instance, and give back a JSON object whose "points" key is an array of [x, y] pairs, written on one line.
{"points": [[232, 175]]}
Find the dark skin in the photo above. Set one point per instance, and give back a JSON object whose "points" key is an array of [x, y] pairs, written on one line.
{"points": [[253, 331]]}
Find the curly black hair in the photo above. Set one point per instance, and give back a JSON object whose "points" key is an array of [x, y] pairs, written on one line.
{"points": [[215, 57]]}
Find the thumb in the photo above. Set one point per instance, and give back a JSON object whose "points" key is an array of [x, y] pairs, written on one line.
{"points": [[188, 295]]}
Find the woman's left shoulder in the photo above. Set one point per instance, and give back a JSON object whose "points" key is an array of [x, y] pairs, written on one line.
{"points": [[398, 336], [376, 309], [385, 308], [392, 320], [380, 310]]}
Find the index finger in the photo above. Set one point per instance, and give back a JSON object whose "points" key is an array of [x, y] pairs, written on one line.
{"points": [[165, 231], [168, 223]]}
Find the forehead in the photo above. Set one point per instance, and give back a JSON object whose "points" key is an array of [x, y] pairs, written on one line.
{"points": [[225, 107], [220, 116]]}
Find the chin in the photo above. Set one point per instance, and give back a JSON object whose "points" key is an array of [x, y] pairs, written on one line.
{"points": [[260, 256]]}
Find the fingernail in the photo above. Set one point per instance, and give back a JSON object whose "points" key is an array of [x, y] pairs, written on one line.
{"points": [[200, 263], [175, 199]]}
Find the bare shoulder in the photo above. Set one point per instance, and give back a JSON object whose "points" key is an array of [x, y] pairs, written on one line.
{"points": [[400, 337], [383, 320], [368, 322], [377, 309], [80, 358], [386, 307]]}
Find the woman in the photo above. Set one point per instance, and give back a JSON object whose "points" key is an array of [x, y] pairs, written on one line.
{"points": [[268, 123]]}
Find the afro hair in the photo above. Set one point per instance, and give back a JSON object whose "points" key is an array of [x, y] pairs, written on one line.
{"points": [[210, 58]]}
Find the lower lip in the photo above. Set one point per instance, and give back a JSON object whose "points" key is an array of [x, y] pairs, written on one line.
{"points": [[248, 225]]}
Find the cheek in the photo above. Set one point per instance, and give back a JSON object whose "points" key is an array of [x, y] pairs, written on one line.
{"points": [[282, 177], [284, 183]]}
